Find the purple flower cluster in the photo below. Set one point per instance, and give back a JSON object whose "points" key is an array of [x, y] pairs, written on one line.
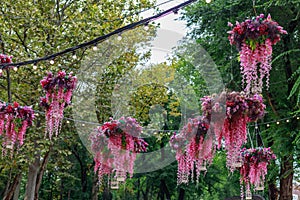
{"points": [[196, 128], [255, 107], [235, 104], [59, 90], [255, 30], [256, 155], [62, 80], [17, 111], [5, 58]]}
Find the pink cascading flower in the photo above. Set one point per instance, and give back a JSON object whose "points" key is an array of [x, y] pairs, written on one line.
{"points": [[194, 147], [232, 125], [59, 91], [255, 165], [14, 121], [115, 145], [254, 40]]}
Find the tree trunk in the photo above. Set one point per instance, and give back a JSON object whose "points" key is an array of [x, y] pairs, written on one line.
{"points": [[138, 189], [83, 179], [69, 195], [61, 192], [17, 190], [95, 188], [6, 190], [106, 194], [146, 193], [286, 170], [13, 187], [273, 192], [165, 189], [181, 194], [41, 173], [286, 178], [31, 181]]}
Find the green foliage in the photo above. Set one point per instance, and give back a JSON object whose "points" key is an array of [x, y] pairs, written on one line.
{"points": [[296, 88], [208, 24], [35, 29]]}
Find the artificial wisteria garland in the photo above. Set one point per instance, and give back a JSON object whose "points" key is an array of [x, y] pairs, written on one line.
{"points": [[255, 165], [254, 39], [194, 149], [239, 110], [14, 121], [115, 145], [59, 91]]}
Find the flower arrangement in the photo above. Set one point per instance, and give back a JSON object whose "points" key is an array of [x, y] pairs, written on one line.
{"points": [[5, 59], [239, 110], [255, 165], [194, 148], [254, 39], [115, 145], [14, 121], [255, 108], [59, 91], [234, 129]]}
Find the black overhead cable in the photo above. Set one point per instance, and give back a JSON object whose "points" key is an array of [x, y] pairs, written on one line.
{"points": [[101, 38]]}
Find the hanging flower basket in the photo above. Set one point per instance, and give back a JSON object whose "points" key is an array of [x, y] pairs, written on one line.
{"points": [[14, 121], [115, 145], [254, 39], [255, 166], [59, 91], [232, 125], [194, 149]]}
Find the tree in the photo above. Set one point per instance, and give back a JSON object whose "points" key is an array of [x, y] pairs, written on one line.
{"points": [[208, 26], [34, 29]]}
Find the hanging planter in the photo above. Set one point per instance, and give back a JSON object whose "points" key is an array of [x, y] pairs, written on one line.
{"points": [[254, 39], [115, 145], [59, 91], [194, 149], [255, 166], [14, 121], [232, 125]]}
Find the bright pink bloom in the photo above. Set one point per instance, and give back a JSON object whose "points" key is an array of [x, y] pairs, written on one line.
{"points": [[59, 91], [115, 145], [254, 40]]}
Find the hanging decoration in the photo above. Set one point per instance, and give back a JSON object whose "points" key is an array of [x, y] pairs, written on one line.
{"points": [[255, 166], [254, 39], [115, 145], [194, 149], [14, 121], [255, 108], [4, 59], [59, 91], [232, 125]]}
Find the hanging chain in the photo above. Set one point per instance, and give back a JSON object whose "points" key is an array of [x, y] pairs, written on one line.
{"points": [[259, 141], [249, 136]]}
